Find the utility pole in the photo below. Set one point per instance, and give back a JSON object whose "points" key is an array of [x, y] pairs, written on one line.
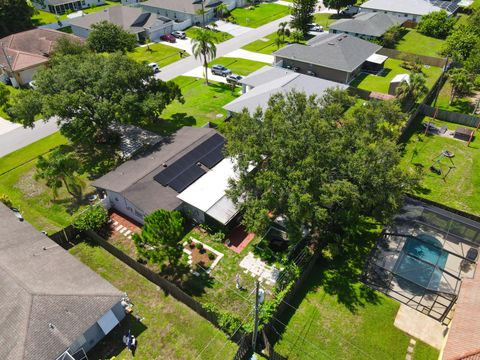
{"points": [[257, 308]]}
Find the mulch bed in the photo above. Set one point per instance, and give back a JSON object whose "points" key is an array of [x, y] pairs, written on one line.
{"points": [[200, 257]]}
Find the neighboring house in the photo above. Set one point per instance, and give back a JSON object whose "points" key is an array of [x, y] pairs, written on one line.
{"points": [[26, 52], [166, 177], [409, 9], [62, 6], [143, 24], [53, 306], [187, 12], [335, 57], [259, 86], [366, 25]]}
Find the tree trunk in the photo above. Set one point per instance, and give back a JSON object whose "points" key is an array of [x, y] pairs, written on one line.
{"points": [[68, 187], [205, 64], [452, 96]]}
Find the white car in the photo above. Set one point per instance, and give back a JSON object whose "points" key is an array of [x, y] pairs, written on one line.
{"points": [[316, 27], [154, 67]]}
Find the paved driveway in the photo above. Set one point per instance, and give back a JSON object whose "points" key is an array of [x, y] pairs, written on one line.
{"points": [[199, 72], [232, 29], [7, 126]]}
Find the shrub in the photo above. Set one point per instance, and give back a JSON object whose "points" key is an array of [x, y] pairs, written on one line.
{"points": [[93, 218], [219, 236], [191, 245], [199, 246], [211, 256], [6, 200]]}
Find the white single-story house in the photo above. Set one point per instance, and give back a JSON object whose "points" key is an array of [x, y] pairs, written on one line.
{"points": [[409, 9], [143, 24], [53, 306], [62, 6]]}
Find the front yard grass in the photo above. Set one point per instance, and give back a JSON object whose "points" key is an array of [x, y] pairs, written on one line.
{"points": [[325, 19], [267, 44], [202, 104], [416, 43], [381, 83], [220, 36], [259, 15], [239, 66], [169, 329], [460, 189], [461, 105], [339, 318], [162, 54]]}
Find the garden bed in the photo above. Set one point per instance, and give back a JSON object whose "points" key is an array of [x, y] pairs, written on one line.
{"points": [[201, 255]]}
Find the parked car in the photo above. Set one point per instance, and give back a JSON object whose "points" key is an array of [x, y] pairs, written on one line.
{"points": [[154, 67], [316, 27], [17, 214], [221, 70], [179, 34], [168, 38], [234, 79]]}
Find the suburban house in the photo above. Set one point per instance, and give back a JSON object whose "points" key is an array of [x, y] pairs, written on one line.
{"points": [[53, 306], [409, 9], [259, 86], [366, 25], [62, 6], [143, 24], [334, 57], [186, 171], [187, 12], [26, 52]]}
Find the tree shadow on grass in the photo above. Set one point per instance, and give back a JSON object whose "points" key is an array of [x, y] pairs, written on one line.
{"points": [[167, 127]]}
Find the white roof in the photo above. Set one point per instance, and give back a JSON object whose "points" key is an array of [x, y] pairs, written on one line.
{"points": [[415, 7], [210, 188], [377, 59], [401, 77]]}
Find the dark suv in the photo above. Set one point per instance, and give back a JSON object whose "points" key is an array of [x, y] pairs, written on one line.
{"points": [[221, 70]]}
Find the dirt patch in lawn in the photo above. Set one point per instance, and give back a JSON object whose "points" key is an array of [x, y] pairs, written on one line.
{"points": [[29, 186]]}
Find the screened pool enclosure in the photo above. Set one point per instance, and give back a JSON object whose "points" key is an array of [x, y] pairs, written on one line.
{"points": [[421, 259]]}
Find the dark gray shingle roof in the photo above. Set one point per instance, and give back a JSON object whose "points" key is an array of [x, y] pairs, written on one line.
{"points": [[335, 51], [42, 284], [371, 24]]}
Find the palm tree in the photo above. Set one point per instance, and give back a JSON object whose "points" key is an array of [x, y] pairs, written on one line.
{"points": [[203, 45], [222, 10], [278, 42], [411, 90], [60, 169], [283, 30], [461, 83]]}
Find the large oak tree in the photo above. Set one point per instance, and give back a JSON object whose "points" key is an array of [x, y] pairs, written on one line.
{"points": [[15, 16]]}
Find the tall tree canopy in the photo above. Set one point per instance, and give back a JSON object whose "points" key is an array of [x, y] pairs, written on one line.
{"points": [[437, 24], [159, 240], [338, 4], [15, 16], [302, 15], [461, 42], [108, 37], [320, 169], [88, 92]]}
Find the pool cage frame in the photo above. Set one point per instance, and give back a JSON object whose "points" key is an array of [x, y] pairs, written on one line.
{"points": [[382, 274]]}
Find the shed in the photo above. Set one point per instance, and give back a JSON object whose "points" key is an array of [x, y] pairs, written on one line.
{"points": [[396, 81]]}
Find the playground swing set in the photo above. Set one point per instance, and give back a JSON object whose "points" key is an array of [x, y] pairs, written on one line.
{"points": [[437, 166]]}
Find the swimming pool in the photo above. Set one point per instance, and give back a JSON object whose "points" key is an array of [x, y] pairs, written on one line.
{"points": [[424, 273]]}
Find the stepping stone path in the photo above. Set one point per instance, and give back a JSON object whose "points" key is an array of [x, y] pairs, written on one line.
{"points": [[411, 347]]}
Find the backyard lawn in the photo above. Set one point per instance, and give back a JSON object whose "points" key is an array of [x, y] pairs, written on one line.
{"points": [[259, 15], [267, 44], [460, 189], [338, 318], [462, 105], [202, 104], [168, 329], [416, 43], [325, 19], [44, 17], [162, 54], [239, 66], [381, 83], [220, 36]]}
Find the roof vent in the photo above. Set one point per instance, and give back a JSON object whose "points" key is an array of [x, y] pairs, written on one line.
{"points": [[331, 43], [51, 326], [164, 165]]}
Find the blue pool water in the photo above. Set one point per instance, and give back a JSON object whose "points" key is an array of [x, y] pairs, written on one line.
{"points": [[423, 273]]}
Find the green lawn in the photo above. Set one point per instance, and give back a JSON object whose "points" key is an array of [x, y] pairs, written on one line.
{"points": [[162, 54], [220, 36], [169, 330], [44, 17], [338, 318], [259, 15], [239, 66], [381, 83], [462, 105], [460, 189], [325, 19], [202, 104], [267, 44], [417, 43]]}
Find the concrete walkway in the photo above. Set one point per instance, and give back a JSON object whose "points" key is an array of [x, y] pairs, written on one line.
{"points": [[19, 137], [284, 3], [183, 66], [250, 55]]}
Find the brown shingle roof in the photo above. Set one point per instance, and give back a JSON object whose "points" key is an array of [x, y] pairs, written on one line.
{"points": [[30, 48]]}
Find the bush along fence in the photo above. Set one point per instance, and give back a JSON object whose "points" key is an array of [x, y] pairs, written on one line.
{"points": [[450, 116]]}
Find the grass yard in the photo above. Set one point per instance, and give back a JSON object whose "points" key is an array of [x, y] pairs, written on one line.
{"points": [[239, 66], [381, 83], [44, 17], [162, 54], [462, 105], [460, 189], [202, 104], [259, 15], [169, 330], [32, 197], [416, 43], [325, 19], [220, 36], [266, 45], [339, 318]]}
